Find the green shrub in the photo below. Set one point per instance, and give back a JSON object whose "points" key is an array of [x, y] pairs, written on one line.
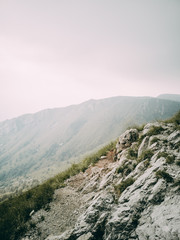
{"points": [[146, 163], [155, 130], [147, 154], [164, 175], [177, 145], [178, 163], [169, 159], [162, 154], [154, 140], [121, 169], [123, 185], [132, 153]]}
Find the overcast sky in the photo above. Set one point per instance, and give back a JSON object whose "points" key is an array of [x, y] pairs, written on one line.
{"points": [[55, 53]]}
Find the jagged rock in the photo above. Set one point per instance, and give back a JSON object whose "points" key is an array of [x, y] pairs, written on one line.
{"points": [[147, 209], [126, 139], [173, 136], [143, 145], [86, 236]]}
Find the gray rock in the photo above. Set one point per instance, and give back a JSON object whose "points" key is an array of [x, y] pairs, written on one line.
{"points": [[148, 209], [126, 139], [143, 146]]}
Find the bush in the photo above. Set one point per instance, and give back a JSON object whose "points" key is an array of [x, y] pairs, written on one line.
{"points": [[169, 159], [123, 185], [164, 175], [178, 163], [125, 169], [162, 154], [146, 155], [155, 130], [154, 140], [132, 153]]}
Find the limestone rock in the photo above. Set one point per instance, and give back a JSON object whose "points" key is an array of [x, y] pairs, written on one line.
{"points": [[146, 209], [126, 139]]}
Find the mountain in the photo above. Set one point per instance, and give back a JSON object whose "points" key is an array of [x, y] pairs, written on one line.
{"points": [[127, 190], [131, 193], [37, 146], [172, 97]]}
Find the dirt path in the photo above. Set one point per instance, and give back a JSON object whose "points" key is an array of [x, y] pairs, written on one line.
{"points": [[64, 210]]}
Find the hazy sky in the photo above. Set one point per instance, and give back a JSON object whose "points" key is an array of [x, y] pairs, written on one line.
{"points": [[54, 53]]}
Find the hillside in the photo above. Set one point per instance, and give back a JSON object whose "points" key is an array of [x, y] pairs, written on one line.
{"points": [[132, 193], [172, 97], [122, 192], [37, 146]]}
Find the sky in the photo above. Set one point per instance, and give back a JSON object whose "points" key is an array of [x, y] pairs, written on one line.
{"points": [[54, 53]]}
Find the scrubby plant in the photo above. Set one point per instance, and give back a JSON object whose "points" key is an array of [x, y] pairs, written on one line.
{"points": [[162, 154], [166, 176], [178, 163], [155, 130], [124, 169], [121, 169], [177, 145], [146, 163], [169, 159], [147, 154], [123, 185], [154, 140], [132, 153]]}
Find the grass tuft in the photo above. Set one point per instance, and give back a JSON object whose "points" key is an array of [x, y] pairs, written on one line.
{"points": [[123, 185], [166, 176]]}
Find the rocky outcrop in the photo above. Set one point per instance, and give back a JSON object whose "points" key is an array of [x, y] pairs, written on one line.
{"points": [[126, 139], [135, 197]]}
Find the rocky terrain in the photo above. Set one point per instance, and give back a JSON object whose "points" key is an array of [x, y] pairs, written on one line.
{"points": [[133, 193], [35, 147]]}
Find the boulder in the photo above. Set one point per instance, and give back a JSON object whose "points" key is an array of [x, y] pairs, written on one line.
{"points": [[126, 139]]}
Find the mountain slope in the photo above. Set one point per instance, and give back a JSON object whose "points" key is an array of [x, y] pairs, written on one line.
{"points": [[133, 195], [172, 97], [40, 145]]}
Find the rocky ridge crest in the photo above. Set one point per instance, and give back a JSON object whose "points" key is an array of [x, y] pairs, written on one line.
{"points": [[131, 194]]}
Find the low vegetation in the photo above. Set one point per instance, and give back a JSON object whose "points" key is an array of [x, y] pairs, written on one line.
{"points": [[155, 130], [178, 163], [15, 211], [175, 119], [147, 154], [132, 153], [123, 185], [154, 140], [166, 176], [169, 159]]}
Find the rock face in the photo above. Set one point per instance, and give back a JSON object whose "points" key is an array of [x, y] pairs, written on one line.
{"points": [[126, 139], [135, 197]]}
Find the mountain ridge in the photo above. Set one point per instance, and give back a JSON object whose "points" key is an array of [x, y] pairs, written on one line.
{"points": [[39, 145], [131, 193]]}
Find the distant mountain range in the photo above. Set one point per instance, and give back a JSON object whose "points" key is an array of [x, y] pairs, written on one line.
{"points": [[172, 97], [42, 144]]}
